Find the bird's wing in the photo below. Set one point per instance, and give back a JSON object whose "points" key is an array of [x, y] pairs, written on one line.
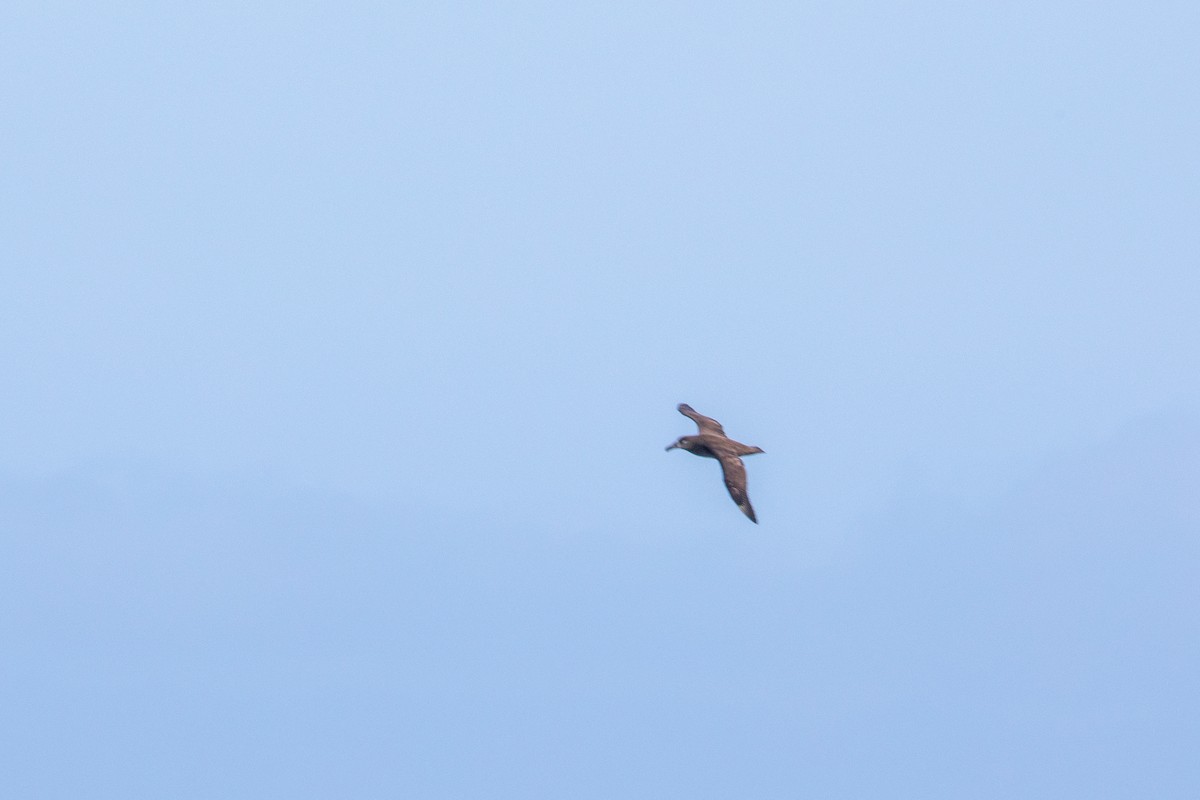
{"points": [[735, 481], [706, 424]]}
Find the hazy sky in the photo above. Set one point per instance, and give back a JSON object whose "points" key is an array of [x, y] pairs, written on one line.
{"points": [[342, 343]]}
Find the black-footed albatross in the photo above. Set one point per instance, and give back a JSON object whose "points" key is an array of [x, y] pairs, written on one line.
{"points": [[712, 442]]}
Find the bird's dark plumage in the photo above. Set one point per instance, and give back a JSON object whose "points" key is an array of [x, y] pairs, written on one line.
{"points": [[712, 442]]}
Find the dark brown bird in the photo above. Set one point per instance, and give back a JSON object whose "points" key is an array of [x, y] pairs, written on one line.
{"points": [[712, 442]]}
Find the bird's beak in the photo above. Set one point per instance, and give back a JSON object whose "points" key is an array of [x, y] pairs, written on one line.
{"points": [[672, 445]]}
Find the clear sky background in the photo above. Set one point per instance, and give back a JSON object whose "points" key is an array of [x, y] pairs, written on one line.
{"points": [[341, 343]]}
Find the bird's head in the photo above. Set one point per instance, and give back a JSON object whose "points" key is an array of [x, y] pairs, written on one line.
{"points": [[683, 443]]}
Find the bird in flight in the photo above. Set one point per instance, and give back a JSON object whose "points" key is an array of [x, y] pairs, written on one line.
{"points": [[712, 442]]}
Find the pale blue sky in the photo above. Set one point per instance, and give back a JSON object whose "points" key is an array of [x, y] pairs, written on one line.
{"points": [[342, 343]]}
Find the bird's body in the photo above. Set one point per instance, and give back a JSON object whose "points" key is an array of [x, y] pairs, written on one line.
{"points": [[711, 442]]}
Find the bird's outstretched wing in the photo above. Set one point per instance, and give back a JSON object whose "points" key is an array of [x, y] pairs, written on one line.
{"points": [[735, 481], [706, 424]]}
